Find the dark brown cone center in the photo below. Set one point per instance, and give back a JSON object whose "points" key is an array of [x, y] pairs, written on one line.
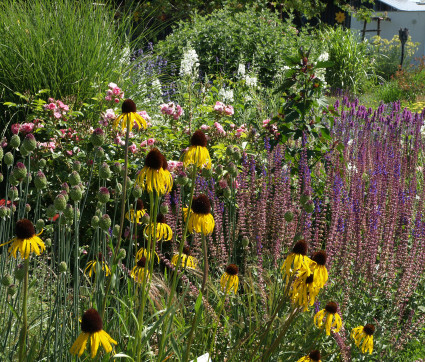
{"points": [[315, 355], [186, 250], [319, 257], [141, 262], [129, 106], [154, 159], [91, 321], [161, 219], [201, 205], [300, 247], [198, 139], [369, 329], [139, 205], [24, 229], [232, 269], [331, 307]]}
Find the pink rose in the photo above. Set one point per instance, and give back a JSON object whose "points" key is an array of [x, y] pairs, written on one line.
{"points": [[50, 106], [151, 141], [219, 107], [116, 100], [204, 127], [27, 127], [132, 148], [266, 122], [172, 165], [145, 115], [108, 98], [112, 85], [229, 110], [69, 153], [57, 115], [15, 128], [116, 91], [144, 144]]}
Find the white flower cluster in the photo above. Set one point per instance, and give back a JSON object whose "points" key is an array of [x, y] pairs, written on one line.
{"points": [[226, 95], [250, 81], [190, 62]]}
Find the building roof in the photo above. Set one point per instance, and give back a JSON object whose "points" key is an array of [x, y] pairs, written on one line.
{"points": [[406, 5]]}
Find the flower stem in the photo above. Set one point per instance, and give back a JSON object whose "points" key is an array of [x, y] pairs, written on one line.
{"points": [[205, 276], [23, 334]]}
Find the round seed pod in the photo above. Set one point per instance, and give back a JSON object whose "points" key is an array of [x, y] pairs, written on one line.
{"points": [[98, 137], [116, 230], [163, 209], [51, 211], [304, 198], [39, 224], [12, 290], [60, 202], [95, 221], [27, 208], [76, 166], [137, 191], [104, 171], [74, 178], [289, 216], [245, 241], [3, 212], [13, 193], [103, 195], [181, 180], [48, 242], [63, 267], [41, 163], [145, 219], [99, 152], [29, 142], [227, 192], [19, 273], [6, 280], [76, 193], [232, 169], [20, 171], [8, 159], [69, 211], [122, 254], [105, 222], [229, 151], [309, 206], [15, 141], [40, 180]]}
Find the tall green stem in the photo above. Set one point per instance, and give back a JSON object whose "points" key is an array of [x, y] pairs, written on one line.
{"points": [[23, 335]]}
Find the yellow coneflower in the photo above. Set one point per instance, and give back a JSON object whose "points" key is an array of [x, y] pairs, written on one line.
{"points": [[333, 320], [163, 231], [366, 334], [91, 266], [200, 218], [138, 272], [129, 110], [26, 240], [297, 260], [92, 328], [304, 290], [230, 281], [187, 260], [142, 252], [319, 268], [136, 215], [313, 356], [155, 176], [198, 154]]}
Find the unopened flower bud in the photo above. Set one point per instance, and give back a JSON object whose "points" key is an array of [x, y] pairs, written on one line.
{"points": [[181, 180], [229, 151], [103, 195], [69, 211], [51, 211], [41, 163], [1, 152], [122, 254], [7, 280], [97, 137], [99, 152], [27, 208], [74, 178], [309, 206], [137, 191], [19, 272], [11, 290], [163, 209], [48, 242], [15, 141], [63, 267], [3, 212], [117, 167], [207, 173], [304, 198], [289, 216], [60, 202], [75, 193], [118, 188], [24, 151], [40, 180], [13, 193], [232, 169], [145, 219], [116, 230], [105, 222], [8, 158], [1, 176], [13, 208], [237, 154], [95, 221], [39, 224], [20, 171], [76, 166], [227, 192], [29, 142], [104, 171]]}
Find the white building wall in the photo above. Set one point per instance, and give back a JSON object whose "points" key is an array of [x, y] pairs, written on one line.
{"points": [[412, 20]]}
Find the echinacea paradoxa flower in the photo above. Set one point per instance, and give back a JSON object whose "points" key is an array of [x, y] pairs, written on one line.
{"points": [[200, 218], [198, 154], [230, 281], [92, 328], [136, 215], [313, 356], [129, 113], [364, 334], [26, 240], [163, 231], [304, 290], [91, 266], [297, 260], [333, 320], [138, 272], [319, 268], [187, 260], [155, 176]]}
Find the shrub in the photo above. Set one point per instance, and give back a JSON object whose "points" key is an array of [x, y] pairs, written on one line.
{"points": [[223, 39], [352, 66]]}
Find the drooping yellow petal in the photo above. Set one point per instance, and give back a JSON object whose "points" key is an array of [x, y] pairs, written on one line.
{"points": [[80, 344]]}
